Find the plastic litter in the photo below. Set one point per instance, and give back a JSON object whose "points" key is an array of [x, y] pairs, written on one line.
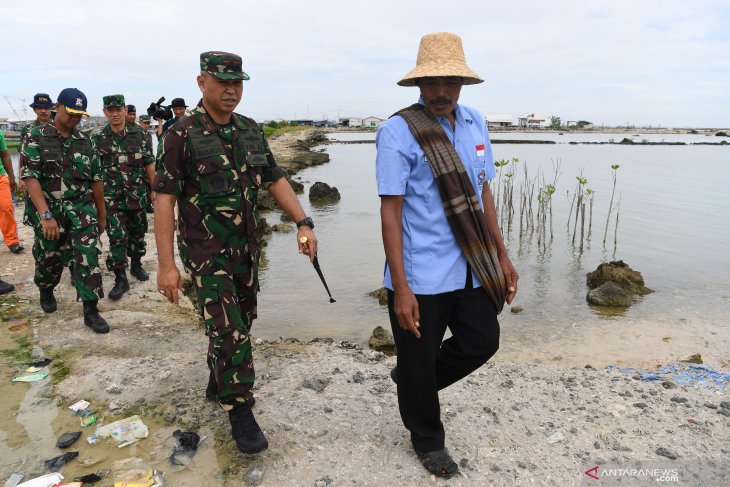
{"points": [[41, 363], [56, 463], [135, 472], [79, 406], [93, 477], [31, 377], [186, 444], [48, 480], [70, 484], [67, 439], [124, 432], [13, 480], [88, 421], [681, 374]]}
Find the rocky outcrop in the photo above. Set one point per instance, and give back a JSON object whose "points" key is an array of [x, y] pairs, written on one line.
{"points": [[382, 341], [323, 193], [721, 134], [615, 284], [381, 295]]}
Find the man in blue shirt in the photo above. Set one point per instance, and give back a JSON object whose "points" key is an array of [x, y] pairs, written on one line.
{"points": [[430, 283]]}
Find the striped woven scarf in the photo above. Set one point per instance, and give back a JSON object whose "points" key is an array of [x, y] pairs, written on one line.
{"points": [[461, 205]]}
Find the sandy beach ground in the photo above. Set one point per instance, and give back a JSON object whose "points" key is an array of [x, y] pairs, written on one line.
{"points": [[329, 408]]}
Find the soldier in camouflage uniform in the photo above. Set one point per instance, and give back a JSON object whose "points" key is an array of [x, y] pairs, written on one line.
{"points": [[127, 165], [212, 163], [66, 207], [41, 105]]}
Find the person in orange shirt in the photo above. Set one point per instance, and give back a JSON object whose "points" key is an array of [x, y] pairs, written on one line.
{"points": [[8, 185]]}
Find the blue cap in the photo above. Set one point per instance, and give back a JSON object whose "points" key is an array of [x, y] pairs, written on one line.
{"points": [[74, 101], [131, 108], [41, 100]]}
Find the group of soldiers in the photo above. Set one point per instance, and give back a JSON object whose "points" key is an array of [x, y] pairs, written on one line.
{"points": [[79, 186], [434, 160]]}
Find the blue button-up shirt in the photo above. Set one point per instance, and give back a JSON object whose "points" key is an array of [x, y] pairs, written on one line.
{"points": [[432, 258]]}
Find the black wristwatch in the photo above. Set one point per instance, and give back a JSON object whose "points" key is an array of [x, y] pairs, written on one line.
{"points": [[306, 222], [46, 215]]}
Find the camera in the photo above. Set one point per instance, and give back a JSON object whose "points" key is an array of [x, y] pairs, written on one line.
{"points": [[158, 110]]}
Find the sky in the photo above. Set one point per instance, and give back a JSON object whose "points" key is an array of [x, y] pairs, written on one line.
{"points": [[638, 62]]}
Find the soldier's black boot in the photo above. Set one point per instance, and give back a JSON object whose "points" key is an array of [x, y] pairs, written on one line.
{"points": [[245, 430], [6, 287], [211, 391], [137, 271], [121, 284], [93, 320], [48, 300]]}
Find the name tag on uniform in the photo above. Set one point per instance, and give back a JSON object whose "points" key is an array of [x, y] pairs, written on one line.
{"points": [[480, 150]]}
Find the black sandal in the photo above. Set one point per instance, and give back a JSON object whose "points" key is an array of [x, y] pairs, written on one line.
{"points": [[439, 463]]}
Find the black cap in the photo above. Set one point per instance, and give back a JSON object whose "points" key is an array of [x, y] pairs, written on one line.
{"points": [[178, 102], [131, 108], [41, 100]]}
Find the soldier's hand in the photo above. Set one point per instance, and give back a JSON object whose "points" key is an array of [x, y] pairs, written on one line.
{"points": [[50, 229], [169, 283], [21, 187], [307, 242]]}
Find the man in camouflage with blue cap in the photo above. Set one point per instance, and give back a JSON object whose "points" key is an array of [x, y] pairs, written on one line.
{"points": [[212, 164], [127, 165], [66, 207]]}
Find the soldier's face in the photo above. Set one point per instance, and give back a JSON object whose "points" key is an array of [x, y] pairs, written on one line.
{"points": [[116, 116], [131, 117], [65, 119], [43, 114], [221, 95], [178, 111]]}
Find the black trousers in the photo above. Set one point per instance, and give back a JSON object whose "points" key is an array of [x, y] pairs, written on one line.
{"points": [[428, 364]]}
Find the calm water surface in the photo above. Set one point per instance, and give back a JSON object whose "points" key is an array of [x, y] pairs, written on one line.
{"points": [[673, 214]]}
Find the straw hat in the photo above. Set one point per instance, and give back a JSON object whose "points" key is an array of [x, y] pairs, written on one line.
{"points": [[441, 54]]}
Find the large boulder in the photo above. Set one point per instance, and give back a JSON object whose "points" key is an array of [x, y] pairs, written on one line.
{"points": [[615, 284], [620, 273], [323, 193], [382, 341]]}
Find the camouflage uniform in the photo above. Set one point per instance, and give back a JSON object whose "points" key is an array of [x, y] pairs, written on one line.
{"points": [[216, 172], [122, 158], [65, 170]]}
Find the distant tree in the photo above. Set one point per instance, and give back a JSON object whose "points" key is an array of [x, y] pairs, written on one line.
{"points": [[555, 122]]}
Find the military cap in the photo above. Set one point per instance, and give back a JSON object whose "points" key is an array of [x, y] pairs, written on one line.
{"points": [[223, 65], [74, 101], [131, 109], [114, 101], [144, 118], [41, 100]]}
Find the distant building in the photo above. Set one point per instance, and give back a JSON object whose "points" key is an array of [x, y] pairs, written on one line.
{"points": [[351, 122], [372, 122], [307, 122], [499, 120], [532, 120]]}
